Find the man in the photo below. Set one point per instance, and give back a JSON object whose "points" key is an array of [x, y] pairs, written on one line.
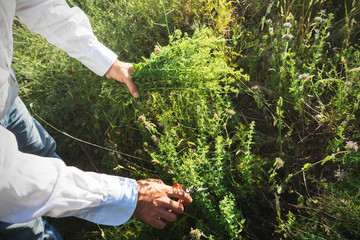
{"points": [[34, 181]]}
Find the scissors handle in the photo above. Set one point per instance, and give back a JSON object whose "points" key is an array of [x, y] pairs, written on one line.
{"points": [[180, 186]]}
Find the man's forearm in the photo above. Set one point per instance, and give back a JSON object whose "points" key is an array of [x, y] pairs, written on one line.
{"points": [[33, 186]]}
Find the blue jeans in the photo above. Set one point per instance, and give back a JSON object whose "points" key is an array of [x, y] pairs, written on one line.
{"points": [[31, 138]]}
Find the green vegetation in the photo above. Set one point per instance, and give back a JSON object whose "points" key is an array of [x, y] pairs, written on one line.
{"points": [[258, 101]]}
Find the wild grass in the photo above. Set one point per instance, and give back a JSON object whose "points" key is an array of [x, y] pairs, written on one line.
{"points": [[256, 100]]}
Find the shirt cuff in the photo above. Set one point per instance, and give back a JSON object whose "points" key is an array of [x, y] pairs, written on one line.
{"points": [[121, 202], [99, 59], [119, 205]]}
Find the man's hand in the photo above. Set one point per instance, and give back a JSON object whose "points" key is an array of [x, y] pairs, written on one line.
{"points": [[154, 205], [121, 72]]}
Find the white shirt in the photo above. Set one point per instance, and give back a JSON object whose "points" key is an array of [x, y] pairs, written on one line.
{"points": [[33, 186], [65, 27]]}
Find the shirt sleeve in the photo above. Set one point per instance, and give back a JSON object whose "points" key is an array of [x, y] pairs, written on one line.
{"points": [[33, 186], [67, 28]]}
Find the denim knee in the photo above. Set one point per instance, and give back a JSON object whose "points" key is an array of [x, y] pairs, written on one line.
{"points": [[30, 135], [37, 229]]}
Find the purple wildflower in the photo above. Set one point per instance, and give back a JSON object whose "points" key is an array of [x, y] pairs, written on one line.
{"points": [[155, 139], [195, 234], [142, 118], [351, 146]]}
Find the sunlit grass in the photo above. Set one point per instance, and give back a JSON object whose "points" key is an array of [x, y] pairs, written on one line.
{"points": [[260, 106]]}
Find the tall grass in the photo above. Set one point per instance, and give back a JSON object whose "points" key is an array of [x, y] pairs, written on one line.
{"points": [[256, 100]]}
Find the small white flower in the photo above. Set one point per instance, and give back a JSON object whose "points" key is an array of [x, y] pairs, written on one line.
{"points": [[255, 88], [303, 76], [287, 36], [231, 112], [319, 19], [271, 30], [287, 25], [348, 84], [279, 162], [320, 118]]}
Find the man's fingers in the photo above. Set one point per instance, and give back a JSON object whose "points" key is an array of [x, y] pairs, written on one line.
{"points": [[160, 224], [168, 216], [157, 222], [132, 88], [155, 205], [160, 218], [174, 206], [180, 194], [131, 69], [121, 72], [130, 84]]}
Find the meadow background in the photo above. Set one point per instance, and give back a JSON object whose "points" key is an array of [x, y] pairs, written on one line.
{"points": [[256, 100]]}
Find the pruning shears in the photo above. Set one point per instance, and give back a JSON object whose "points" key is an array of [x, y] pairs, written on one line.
{"points": [[188, 190]]}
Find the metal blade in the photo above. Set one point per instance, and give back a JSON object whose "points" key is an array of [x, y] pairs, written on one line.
{"points": [[201, 189], [191, 189]]}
